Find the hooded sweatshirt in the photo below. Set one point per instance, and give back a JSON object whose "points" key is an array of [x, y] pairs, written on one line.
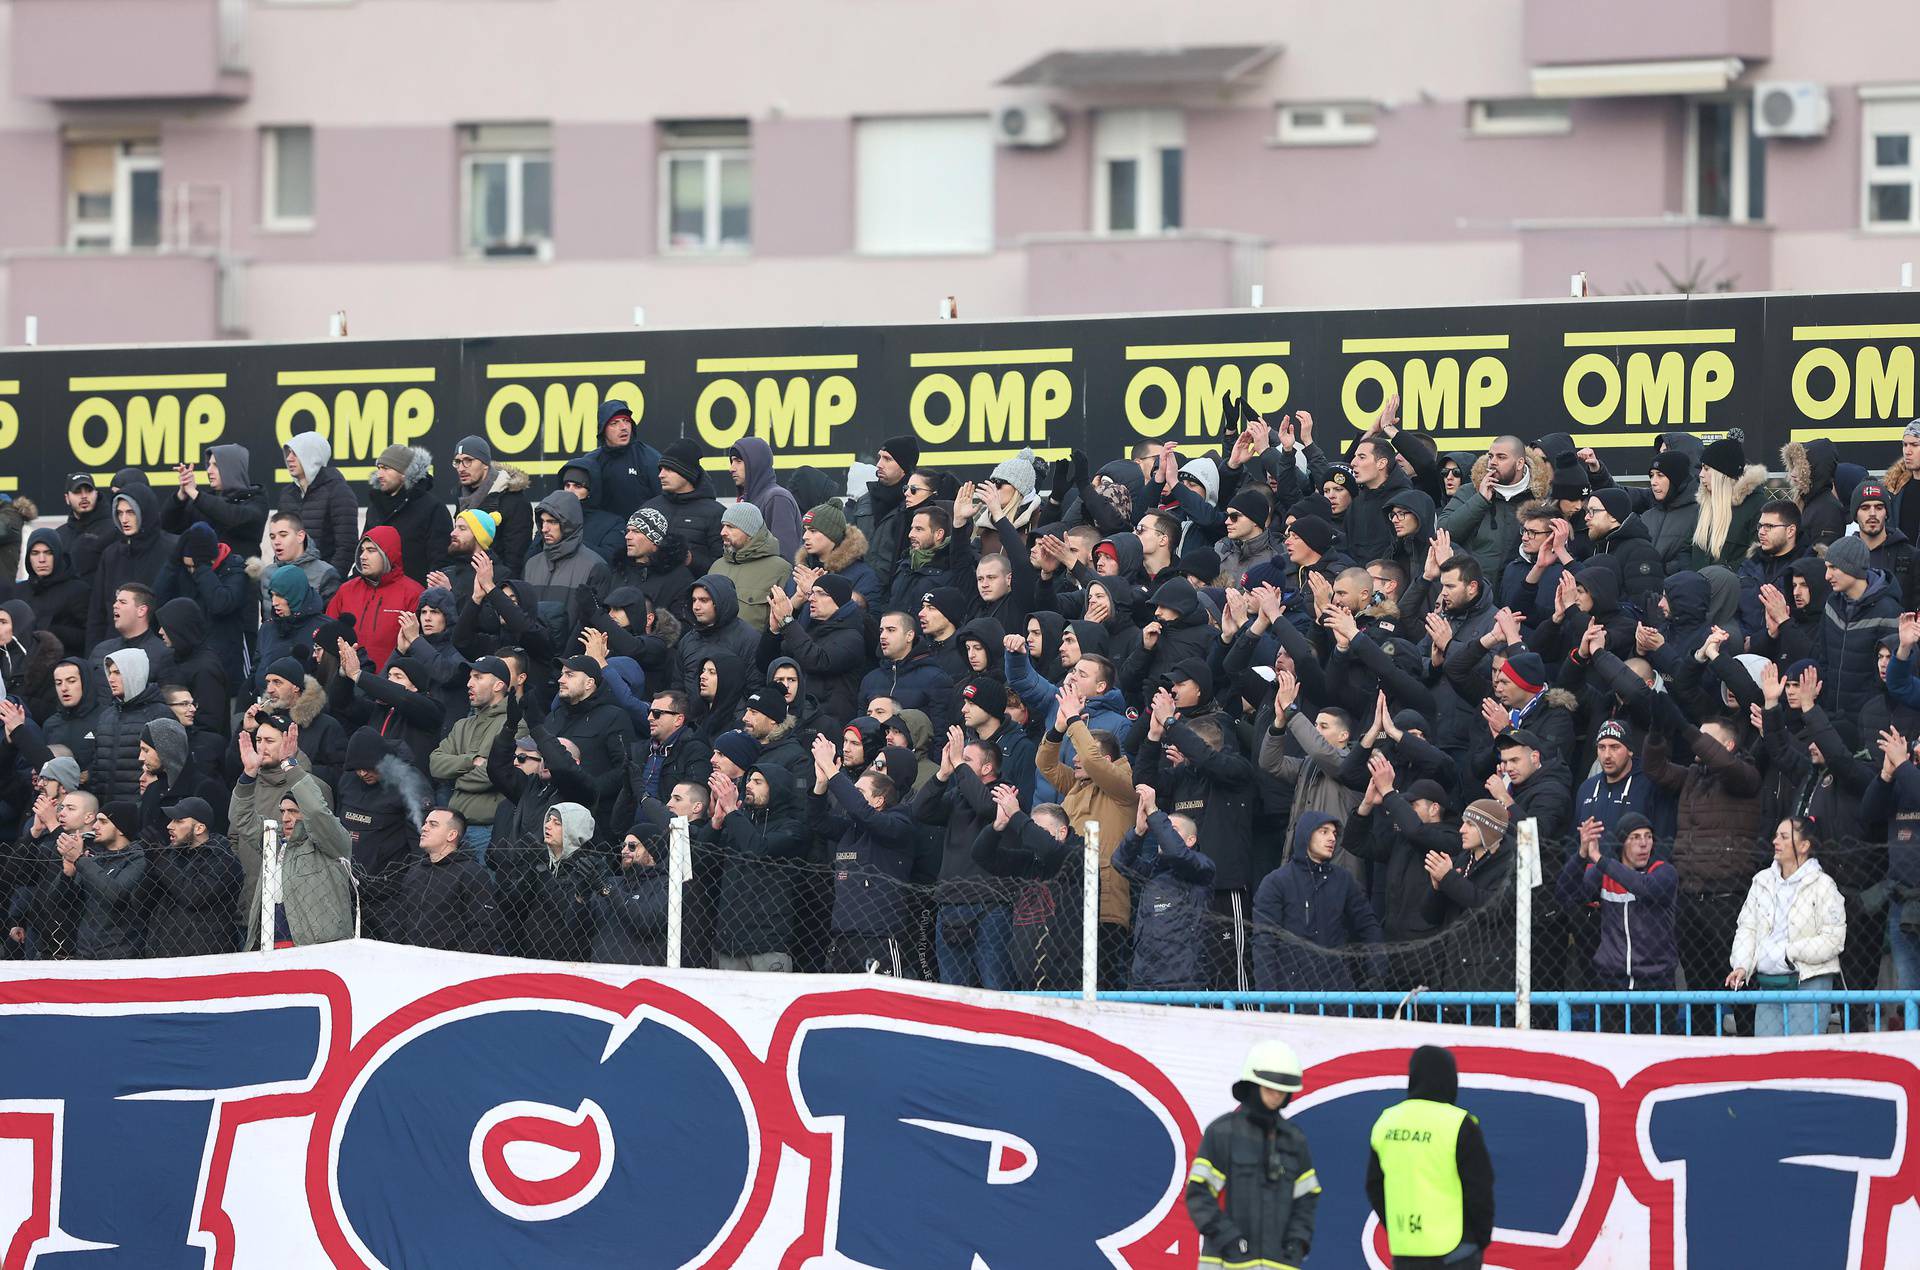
{"points": [[376, 604], [59, 598], [420, 518], [776, 504], [324, 503], [565, 580], [140, 556], [756, 568], [725, 634], [1320, 903], [237, 510]]}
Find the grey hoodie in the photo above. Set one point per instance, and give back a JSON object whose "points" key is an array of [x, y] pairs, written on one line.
{"points": [[135, 670], [576, 830], [169, 741], [313, 452], [236, 466]]}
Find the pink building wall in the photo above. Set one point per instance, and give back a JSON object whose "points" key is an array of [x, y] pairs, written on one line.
{"points": [[1427, 212]]}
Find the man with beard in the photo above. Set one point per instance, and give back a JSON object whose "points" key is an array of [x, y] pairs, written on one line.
{"points": [[1888, 549], [1483, 518], [88, 529], [401, 495], [193, 886]]}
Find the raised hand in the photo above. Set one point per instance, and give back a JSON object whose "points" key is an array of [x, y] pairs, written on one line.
{"points": [[1306, 426], [1268, 597], [1286, 431], [1014, 643], [1389, 420], [12, 714], [249, 755], [1069, 703], [1440, 631], [1809, 688], [1438, 865], [1150, 635], [1343, 625], [594, 640], [1380, 775], [1771, 685], [1715, 638], [1162, 707], [1909, 633], [779, 606], [1590, 833], [1322, 592], [1496, 716], [1286, 690], [435, 578], [826, 759], [483, 571], [1774, 602], [1006, 801]]}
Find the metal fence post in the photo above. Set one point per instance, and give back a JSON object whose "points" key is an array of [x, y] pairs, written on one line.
{"points": [[1090, 914], [679, 873], [269, 880], [1526, 877]]}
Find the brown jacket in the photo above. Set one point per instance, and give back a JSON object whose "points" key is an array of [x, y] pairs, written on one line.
{"points": [[1106, 798], [1720, 822]]}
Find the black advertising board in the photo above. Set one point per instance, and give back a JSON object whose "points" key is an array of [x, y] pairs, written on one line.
{"points": [[1611, 372]]}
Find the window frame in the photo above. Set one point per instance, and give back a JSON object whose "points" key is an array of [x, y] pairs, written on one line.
{"points": [[1288, 131], [113, 234], [712, 143], [1142, 136], [516, 145], [271, 219], [1905, 100], [1740, 178], [1481, 123]]}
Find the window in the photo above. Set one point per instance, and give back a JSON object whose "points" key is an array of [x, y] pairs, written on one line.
{"points": [[1520, 117], [507, 175], [1726, 163], [925, 185], [706, 186], [286, 165], [1137, 171], [113, 195], [1330, 123], [1890, 130]]}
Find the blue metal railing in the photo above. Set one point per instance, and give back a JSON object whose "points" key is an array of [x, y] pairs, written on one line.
{"points": [[1642, 1013]]}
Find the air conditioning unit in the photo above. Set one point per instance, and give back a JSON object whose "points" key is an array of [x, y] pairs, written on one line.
{"points": [[1791, 108], [1030, 124]]}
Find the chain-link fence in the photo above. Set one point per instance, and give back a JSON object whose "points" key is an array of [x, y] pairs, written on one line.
{"points": [[1073, 917]]}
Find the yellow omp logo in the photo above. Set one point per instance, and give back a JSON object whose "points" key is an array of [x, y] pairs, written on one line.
{"points": [[1861, 374], [1008, 400], [9, 426], [144, 420], [1181, 385], [1671, 388], [790, 402], [554, 407], [359, 412], [1439, 385]]}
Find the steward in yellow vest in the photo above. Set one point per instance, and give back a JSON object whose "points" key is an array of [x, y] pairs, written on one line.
{"points": [[1429, 1179]]}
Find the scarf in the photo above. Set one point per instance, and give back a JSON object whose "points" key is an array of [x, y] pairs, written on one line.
{"points": [[920, 557]]}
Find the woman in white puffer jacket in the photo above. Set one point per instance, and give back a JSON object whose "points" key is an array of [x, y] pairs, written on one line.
{"points": [[1791, 931]]}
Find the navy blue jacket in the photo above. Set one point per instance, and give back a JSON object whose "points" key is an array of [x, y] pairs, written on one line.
{"points": [[1636, 916], [1174, 888], [1306, 900], [872, 854]]}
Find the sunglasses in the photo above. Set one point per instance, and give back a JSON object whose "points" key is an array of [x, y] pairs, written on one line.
{"points": [[1235, 516], [661, 714]]}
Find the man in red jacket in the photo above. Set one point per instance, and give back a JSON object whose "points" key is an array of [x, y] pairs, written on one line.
{"points": [[379, 595]]}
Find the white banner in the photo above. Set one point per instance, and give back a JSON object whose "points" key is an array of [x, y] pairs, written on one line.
{"points": [[365, 1105]]}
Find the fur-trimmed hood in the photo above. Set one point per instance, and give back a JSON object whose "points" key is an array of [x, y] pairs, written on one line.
{"points": [[1754, 478], [1560, 698], [311, 702], [1810, 466], [850, 550], [1896, 477], [1541, 469]]}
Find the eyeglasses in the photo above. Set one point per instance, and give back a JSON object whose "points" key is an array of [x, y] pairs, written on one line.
{"points": [[1397, 512], [1536, 533], [1770, 525]]}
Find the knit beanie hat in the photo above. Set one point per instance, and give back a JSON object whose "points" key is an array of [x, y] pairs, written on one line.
{"points": [[1489, 815], [1726, 456], [904, 449], [737, 746], [474, 448], [827, 519], [1313, 531], [1674, 465], [482, 523], [1866, 492], [1017, 472], [1849, 555], [125, 815], [650, 523], [837, 586], [395, 457], [289, 582], [745, 517], [1252, 504], [682, 456], [951, 602], [1618, 503]]}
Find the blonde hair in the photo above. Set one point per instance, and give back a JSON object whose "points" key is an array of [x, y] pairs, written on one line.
{"points": [[1716, 511]]}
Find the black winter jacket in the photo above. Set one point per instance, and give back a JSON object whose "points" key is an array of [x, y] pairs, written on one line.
{"points": [[448, 904], [194, 898], [416, 514], [761, 854], [872, 854]]}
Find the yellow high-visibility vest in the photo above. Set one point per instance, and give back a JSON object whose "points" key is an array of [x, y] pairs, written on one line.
{"points": [[1415, 1141]]}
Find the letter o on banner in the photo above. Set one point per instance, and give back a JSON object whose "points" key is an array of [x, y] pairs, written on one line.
{"points": [[585, 1132]]}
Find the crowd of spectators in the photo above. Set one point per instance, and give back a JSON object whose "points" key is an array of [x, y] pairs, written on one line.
{"points": [[1301, 699]]}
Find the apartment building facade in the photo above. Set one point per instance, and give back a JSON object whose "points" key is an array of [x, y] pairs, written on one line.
{"points": [[178, 170]]}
